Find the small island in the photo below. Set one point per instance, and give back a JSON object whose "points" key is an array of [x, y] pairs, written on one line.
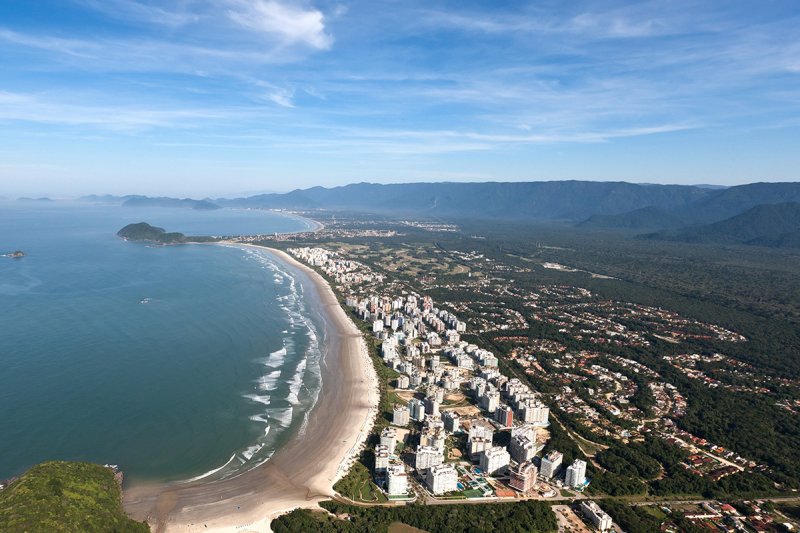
{"points": [[142, 231], [15, 255], [145, 232]]}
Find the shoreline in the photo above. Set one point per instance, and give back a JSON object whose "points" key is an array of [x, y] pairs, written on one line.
{"points": [[303, 471]]}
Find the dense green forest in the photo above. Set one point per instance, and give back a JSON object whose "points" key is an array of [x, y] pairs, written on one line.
{"points": [[62, 496], [521, 517], [630, 518]]}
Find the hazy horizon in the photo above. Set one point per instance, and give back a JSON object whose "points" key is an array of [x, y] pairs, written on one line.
{"points": [[218, 99], [246, 194]]}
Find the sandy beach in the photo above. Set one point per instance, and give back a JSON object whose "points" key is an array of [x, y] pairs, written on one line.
{"points": [[303, 471]]}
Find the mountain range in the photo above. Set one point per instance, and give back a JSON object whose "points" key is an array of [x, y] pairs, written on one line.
{"points": [[658, 211], [774, 225], [135, 200]]}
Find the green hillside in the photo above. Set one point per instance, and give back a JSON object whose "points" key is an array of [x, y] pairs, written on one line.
{"points": [[645, 218], [143, 231], [774, 225], [65, 497]]}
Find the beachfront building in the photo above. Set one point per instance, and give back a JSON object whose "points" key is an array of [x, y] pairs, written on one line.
{"points": [[452, 422], [551, 463], [522, 477], [599, 518], [389, 438], [381, 459], [400, 415], [495, 460], [403, 381], [397, 480], [442, 479], [427, 457], [576, 473], [416, 409]]}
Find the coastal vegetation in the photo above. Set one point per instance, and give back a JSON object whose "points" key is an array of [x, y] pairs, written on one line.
{"points": [[527, 516], [357, 484], [65, 496], [633, 519], [143, 231]]}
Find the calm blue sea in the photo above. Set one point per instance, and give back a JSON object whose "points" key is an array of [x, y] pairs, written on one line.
{"points": [[169, 361]]}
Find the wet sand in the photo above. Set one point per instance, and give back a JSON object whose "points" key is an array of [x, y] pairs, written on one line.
{"points": [[303, 471]]}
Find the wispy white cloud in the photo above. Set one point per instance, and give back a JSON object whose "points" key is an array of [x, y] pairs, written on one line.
{"points": [[149, 13], [115, 116], [283, 96], [586, 25], [288, 22]]}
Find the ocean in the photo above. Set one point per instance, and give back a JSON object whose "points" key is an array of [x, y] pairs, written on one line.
{"points": [[173, 362]]}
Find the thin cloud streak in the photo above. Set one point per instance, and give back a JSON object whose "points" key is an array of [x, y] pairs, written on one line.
{"points": [[132, 10]]}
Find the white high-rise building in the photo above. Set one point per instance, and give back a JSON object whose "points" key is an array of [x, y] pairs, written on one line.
{"points": [[478, 445], [551, 463], [377, 326], [490, 400], [495, 460], [433, 437], [396, 480], [432, 406], [596, 516], [452, 422], [535, 412], [400, 415], [576, 473], [480, 430], [523, 449], [389, 438], [427, 456], [522, 477], [416, 409], [381, 458], [403, 381], [442, 479]]}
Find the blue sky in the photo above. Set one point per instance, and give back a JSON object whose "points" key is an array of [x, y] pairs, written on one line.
{"points": [[224, 97]]}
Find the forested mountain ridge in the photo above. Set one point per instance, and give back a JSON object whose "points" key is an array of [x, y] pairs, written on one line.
{"points": [[774, 225]]}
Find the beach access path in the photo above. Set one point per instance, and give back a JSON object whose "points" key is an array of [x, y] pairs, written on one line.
{"points": [[302, 472]]}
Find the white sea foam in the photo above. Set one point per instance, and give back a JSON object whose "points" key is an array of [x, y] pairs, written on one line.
{"points": [[260, 418], [296, 383], [274, 417], [214, 471], [263, 398], [252, 450], [269, 381], [276, 358], [282, 415]]}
